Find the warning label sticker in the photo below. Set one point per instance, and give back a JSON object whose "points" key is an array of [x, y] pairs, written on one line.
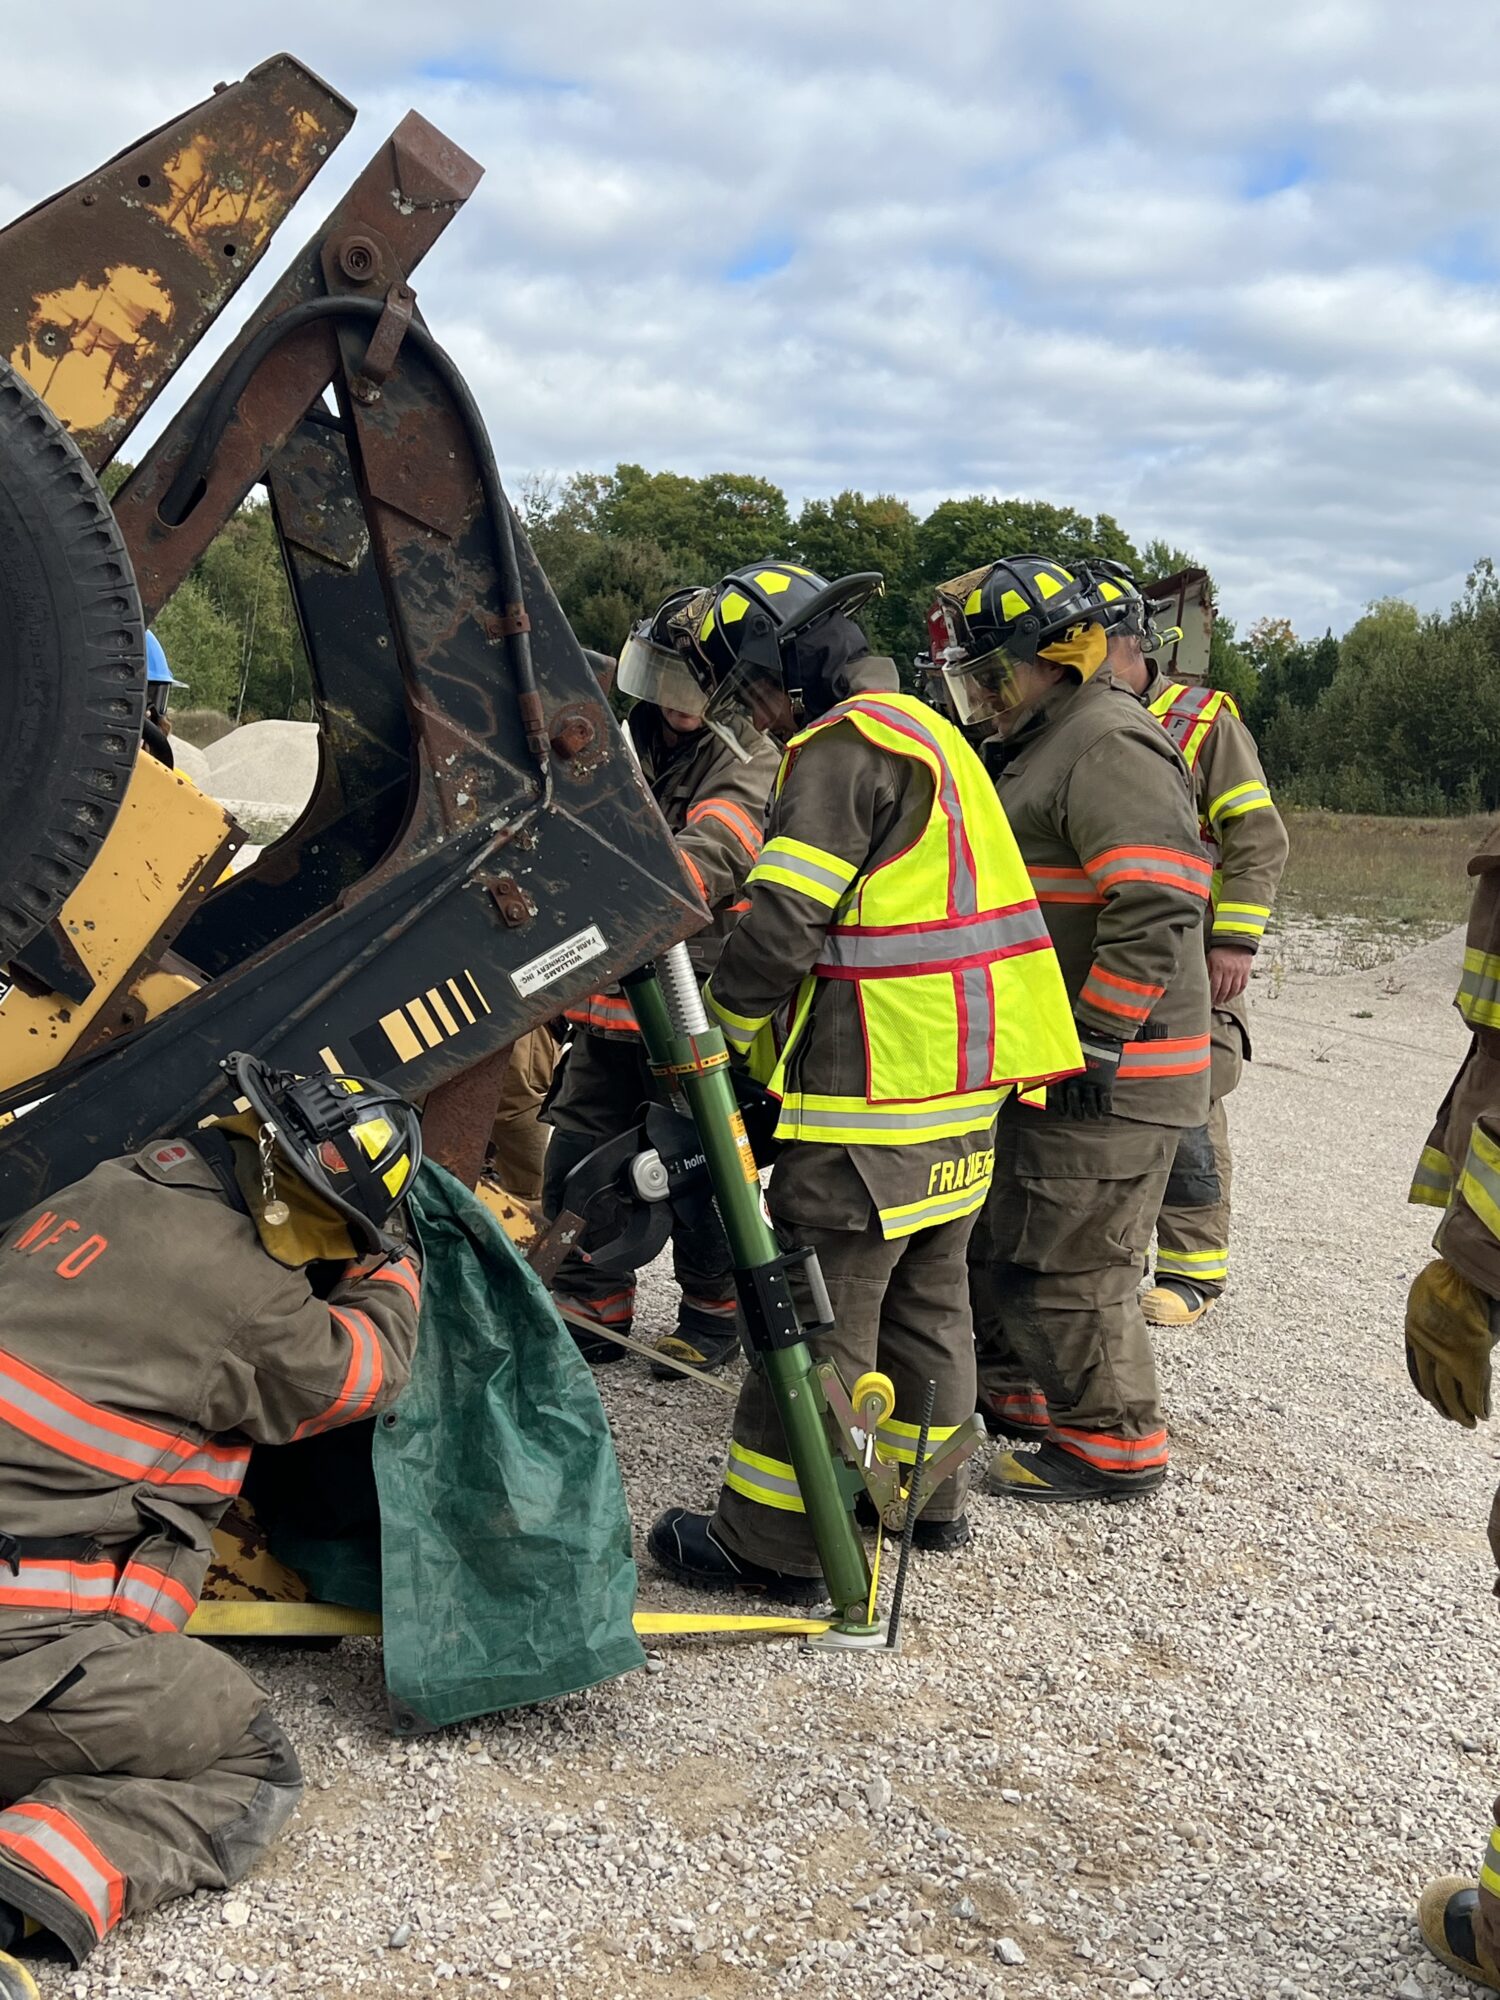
{"points": [[559, 961]]}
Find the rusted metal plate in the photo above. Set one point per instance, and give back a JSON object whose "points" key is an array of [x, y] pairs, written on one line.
{"points": [[1187, 601], [106, 287], [460, 1116], [405, 198]]}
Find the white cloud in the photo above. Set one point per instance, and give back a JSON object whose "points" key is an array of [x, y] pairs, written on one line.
{"points": [[1223, 272]]}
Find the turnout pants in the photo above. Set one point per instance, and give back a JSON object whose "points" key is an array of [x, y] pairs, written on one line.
{"points": [[518, 1143], [604, 1084], [134, 1766], [901, 1306], [1192, 1231], [1054, 1266]]}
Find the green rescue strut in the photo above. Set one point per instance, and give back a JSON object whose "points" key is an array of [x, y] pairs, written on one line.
{"points": [[688, 1054]]}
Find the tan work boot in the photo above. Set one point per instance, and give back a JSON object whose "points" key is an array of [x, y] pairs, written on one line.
{"points": [[1174, 1302], [1446, 1915]]}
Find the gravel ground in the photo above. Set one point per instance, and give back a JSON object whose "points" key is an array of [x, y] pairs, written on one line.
{"points": [[1206, 1746]]}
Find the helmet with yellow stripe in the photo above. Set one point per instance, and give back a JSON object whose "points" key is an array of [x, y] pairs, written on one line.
{"points": [[355, 1142], [990, 622], [1125, 606], [772, 641]]}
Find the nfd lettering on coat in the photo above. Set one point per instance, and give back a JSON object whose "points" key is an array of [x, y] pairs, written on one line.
{"points": [[952, 1176], [78, 1251]]}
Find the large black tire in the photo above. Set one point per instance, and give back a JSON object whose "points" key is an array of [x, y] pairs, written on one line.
{"points": [[72, 665]]}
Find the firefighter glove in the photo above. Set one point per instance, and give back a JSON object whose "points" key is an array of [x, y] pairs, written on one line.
{"points": [[1091, 1093], [1448, 1341]]}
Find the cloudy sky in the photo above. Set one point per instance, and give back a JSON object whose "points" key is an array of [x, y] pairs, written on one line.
{"points": [[1229, 273]]}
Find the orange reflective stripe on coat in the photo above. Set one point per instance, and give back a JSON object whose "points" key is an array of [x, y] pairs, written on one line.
{"points": [[140, 1592], [739, 822], [1064, 885], [1192, 873], [609, 1012], [402, 1274], [44, 1410], [362, 1380], [1131, 999], [56, 1847], [1112, 1454], [1180, 1055]]}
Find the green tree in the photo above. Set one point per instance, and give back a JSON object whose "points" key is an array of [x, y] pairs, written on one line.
{"points": [[959, 535], [851, 532]]}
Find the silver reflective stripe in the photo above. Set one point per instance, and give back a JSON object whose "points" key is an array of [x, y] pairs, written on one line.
{"points": [[152, 1601], [914, 1215], [93, 1889], [1479, 990], [1183, 872], [93, 1439], [928, 950], [1162, 1058], [976, 1058], [85, 1593], [155, 1458], [773, 855], [956, 1117], [1181, 718], [1480, 1176]]}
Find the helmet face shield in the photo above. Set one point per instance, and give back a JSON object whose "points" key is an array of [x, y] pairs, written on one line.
{"points": [[985, 689], [651, 672]]}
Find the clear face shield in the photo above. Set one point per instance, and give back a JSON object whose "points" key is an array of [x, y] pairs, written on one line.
{"points": [[651, 672]]}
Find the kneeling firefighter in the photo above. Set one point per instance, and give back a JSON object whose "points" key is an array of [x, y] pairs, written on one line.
{"points": [[1098, 800], [254, 1283], [890, 981], [711, 784]]}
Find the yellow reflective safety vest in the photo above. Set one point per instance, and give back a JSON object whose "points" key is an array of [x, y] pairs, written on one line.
{"points": [[1189, 713], [959, 988]]}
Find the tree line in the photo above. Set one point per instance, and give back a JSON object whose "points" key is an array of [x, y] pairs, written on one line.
{"points": [[1401, 715]]}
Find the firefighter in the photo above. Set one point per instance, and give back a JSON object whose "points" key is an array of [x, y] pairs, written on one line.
{"points": [[1452, 1320], [1247, 843], [892, 978], [253, 1283], [1098, 799], [711, 784]]}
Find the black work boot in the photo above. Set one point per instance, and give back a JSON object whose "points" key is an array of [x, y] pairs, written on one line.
{"points": [[1446, 1915], [1052, 1475], [1017, 1414], [704, 1339], [685, 1546], [940, 1537]]}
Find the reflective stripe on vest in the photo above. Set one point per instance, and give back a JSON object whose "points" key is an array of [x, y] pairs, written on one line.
{"points": [[1479, 1183], [53, 1845], [960, 992], [1188, 714], [140, 1592], [1432, 1183], [90, 1435], [1478, 996]]}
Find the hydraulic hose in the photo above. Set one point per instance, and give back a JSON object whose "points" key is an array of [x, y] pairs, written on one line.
{"points": [[182, 495]]}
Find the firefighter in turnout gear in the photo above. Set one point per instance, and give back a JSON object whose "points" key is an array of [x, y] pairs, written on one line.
{"points": [[248, 1284], [1452, 1319], [711, 783], [1247, 843], [892, 979], [1098, 800]]}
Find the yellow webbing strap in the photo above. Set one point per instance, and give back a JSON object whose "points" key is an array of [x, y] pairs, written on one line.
{"points": [[250, 1618]]}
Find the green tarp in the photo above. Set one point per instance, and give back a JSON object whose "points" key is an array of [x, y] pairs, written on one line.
{"points": [[504, 1568]]}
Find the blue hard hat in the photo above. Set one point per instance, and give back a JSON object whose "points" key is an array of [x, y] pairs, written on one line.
{"points": [[156, 663]]}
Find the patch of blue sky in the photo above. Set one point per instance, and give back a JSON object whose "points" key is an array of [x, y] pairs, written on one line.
{"points": [[491, 70], [1467, 256], [1274, 171], [763, 258]]}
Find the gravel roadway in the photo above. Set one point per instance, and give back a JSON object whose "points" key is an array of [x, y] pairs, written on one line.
{"points": [[1210, 1745]]}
